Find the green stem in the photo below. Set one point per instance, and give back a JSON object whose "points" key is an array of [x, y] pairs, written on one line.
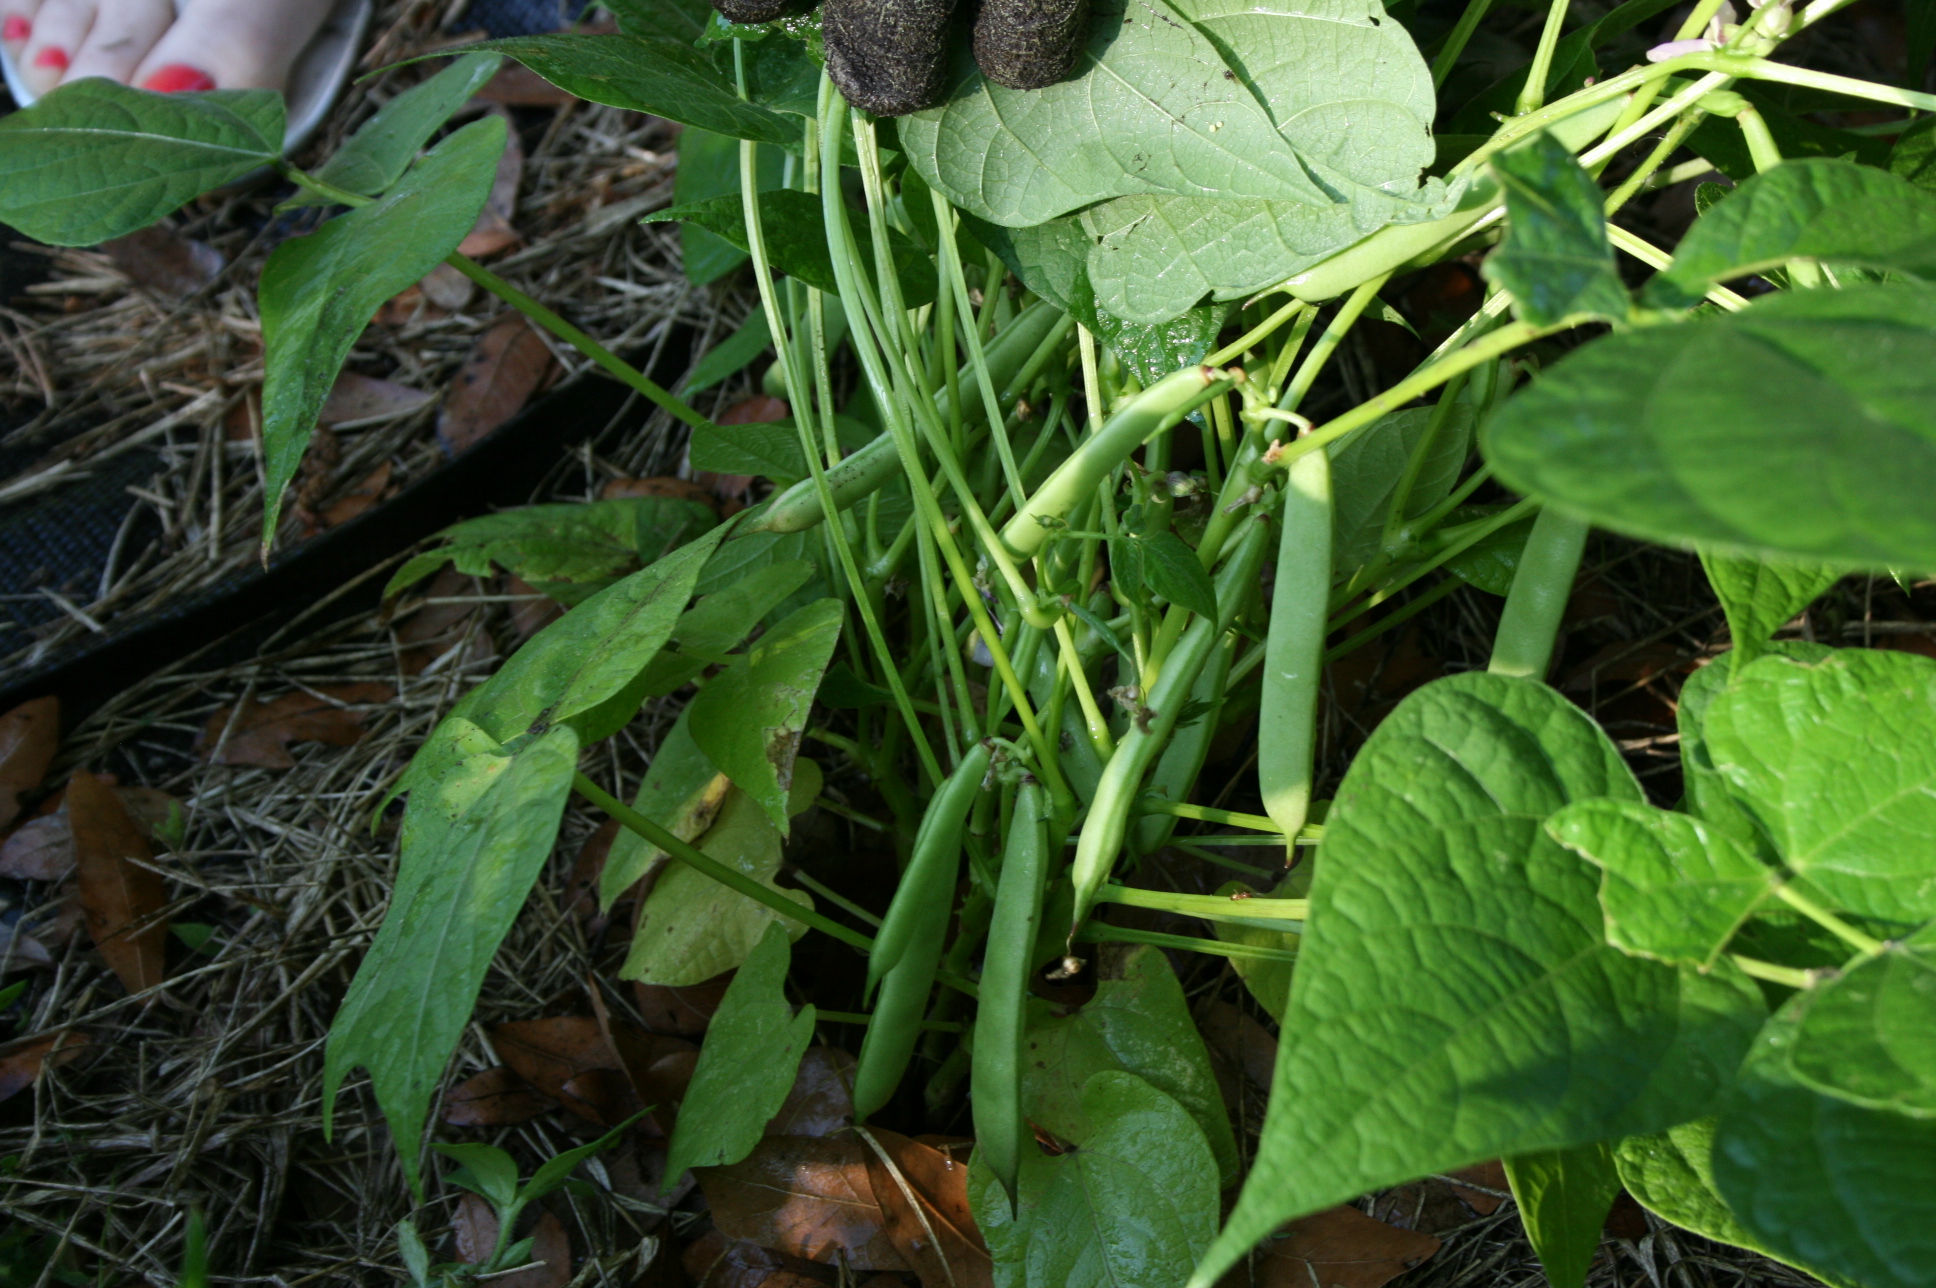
{"points": [[1787, 976], [1455, 43], [1210, 907], [1262, 330], [1334, 334], [1533, 93], [856, 1017], [1206, 814], [1396, 618], [731, 878], [1541, 585], [1828, 921], [1099, 933], [1762, 148]]}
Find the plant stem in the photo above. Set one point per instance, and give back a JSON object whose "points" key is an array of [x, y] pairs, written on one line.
{"points": [[1334, 334], [1668, 145], [1093, 932], [1828, 921], [856, 1017], [1249, 339], [1455, 43], [732, 878], [1787, 74], [1533, 93], [1205, 814], [1540, 588], [1210, 907], [1787, 976], [1397, 617], [1656, 258]]}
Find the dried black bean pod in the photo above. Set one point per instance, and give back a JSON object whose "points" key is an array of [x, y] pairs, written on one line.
{"points": [[1030, 44], [888, 56], [754, 10]]}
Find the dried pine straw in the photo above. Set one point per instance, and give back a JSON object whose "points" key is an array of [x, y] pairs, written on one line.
{"points": [[116, 367]]}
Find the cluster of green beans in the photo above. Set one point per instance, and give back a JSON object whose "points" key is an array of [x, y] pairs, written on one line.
{"points": [[1001, 1132]]}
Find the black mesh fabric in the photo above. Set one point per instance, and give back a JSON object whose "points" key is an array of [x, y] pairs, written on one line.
{"points": [[522, 17]]}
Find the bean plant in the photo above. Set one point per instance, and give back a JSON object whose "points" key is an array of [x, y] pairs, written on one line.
{"points": [[1050, 512]]}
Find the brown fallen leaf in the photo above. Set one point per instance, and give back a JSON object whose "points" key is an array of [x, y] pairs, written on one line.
{"points": [[447, 288], [42, 849], [19, 948], [549, 1053], [360, 400], [821, 1101], [29, 736], [639, 1057], [260, 733], [807, 1196], [1483, 1186], [678, 489], [510, 363], [439, 625], [516, 85], [363, 497], [1431, 1205], [684, 1010], [531, 609], [1622, 663], [581, 892], [492, 233], [494, 1098], [1340, 1247], [715, 1261], [164, 261], [22, 1060], [120, 899], [475, 1225], [923, 1196]]}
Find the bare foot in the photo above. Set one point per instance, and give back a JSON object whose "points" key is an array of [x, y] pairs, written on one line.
{"points": [[210, 44]]}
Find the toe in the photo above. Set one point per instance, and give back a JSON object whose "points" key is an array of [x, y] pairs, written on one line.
{"points": [[123, 33], [58, 29], [234, 44], [17, 24]]}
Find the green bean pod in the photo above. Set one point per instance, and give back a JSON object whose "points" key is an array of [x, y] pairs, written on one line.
{"points": [[1122, 778], [930, 877], [1000, 1014], [1294, 649], [798, 508], [1177, 769], [1075, 480], [896, 1022]]}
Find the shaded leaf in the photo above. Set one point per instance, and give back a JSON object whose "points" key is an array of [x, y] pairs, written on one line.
{"points": [[1139, 1023], [1759, 595], [691, 928], [805, 1196], [1556, 259], [1366, 467], [1672, 889], [708, 168], [1490, 562], [95, 159], [748, 719], [356, 399], [1134, 1203], [120, 899], [821, 1100], [737, 351], [1173, 571], [1339, 1247], [319, 291], [555, 1053], [165, 262], [1813, 209], [1836, 760], [41, 849], [260, 733], [1821, 1181], [747, 1065], [923, 1196], [1868, 1035], [1564, 1196], [794, 229], [1429, 1026], [510, 363], [1758, 430], [681, 792], [476, 1228], [29, 737]]}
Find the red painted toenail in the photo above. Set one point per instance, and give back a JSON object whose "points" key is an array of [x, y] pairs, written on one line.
{"points": [[16, 29], [53, 56], [178, 78]]}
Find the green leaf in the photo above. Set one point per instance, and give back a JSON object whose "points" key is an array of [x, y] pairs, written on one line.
{"points": [[665, 19], [583, 667], [649, 73], [567, 551], [384, 146], [1491, 562], [1366, 467], [747, 1065], [796, 239], [709, 167], [1673, 889], [1868, 1035], [748, 719], [1134, 1203], [473, 842], [555, 1172], [681, 792], [1327, 98], [733, 354], [1138, 1022], [486, 1170], [1819, 1181], [95, 160], [1455, 997], [692, 928], [1760, 430], [1914, 155], [1708, 795], [1837, 762], [319, 292], [1760, 595], [721, 620], [1174, 572], [1556, 259], [1829, 210], [770, 449], [1564, 1196], [416, 1257]]}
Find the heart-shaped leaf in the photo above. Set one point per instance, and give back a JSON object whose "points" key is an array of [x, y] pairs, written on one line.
{"points": [[1869, 1034]]}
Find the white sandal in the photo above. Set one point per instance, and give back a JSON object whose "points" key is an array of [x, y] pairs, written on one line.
{"points": [[315, 82]]}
